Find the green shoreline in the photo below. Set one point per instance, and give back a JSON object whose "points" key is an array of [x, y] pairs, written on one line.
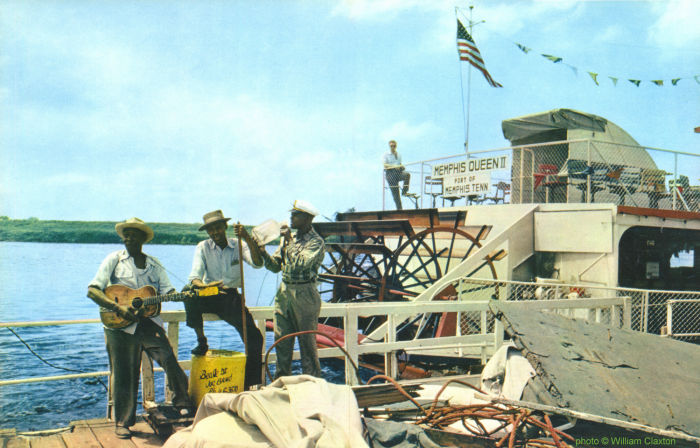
{"points": [[93, 232]]}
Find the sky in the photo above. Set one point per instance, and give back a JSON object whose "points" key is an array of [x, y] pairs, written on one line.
{"points": [[166, 110]]}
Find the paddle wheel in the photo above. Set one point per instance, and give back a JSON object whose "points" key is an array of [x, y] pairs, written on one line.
{"points": [[394, 256]]}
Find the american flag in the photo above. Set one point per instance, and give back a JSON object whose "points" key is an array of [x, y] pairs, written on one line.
{"points": [[468, 52]]}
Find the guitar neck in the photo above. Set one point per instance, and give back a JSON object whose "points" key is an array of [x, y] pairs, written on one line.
{"points": [[175, 297]]}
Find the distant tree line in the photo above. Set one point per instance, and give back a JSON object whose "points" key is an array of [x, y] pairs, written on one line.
{"points": [[36, 230]]}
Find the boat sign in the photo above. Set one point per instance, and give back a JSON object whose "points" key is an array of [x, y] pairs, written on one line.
{"points": [[468, 177], [467, 184], [470, 166]]}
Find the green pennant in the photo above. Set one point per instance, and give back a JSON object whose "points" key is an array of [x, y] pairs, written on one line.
{"points": [[523, 48], [658, 82], [614, 80], [554, 59], [594, 77], [675, 81], [697, 78], [636, 82]]}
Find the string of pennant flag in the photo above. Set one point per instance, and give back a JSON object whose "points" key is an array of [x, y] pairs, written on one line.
{"points": [[595, 76]]}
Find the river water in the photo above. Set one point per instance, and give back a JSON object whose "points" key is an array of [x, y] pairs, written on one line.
{"points": [[48, 281]]}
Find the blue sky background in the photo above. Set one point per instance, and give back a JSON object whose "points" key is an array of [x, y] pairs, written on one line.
{"points": [[165, 110]]}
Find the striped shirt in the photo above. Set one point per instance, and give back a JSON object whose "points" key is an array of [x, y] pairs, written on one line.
{"points": [[300, 260]]}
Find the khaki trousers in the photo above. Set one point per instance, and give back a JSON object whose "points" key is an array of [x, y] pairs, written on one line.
{"points": [[296, 309]]}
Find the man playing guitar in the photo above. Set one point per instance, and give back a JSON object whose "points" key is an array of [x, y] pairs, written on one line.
{"points": [[134, 269]]}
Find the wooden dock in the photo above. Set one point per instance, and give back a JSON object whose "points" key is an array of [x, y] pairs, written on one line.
{"points": [[97, 433]]}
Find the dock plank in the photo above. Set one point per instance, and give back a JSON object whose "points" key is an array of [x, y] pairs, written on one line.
{"points": [[144, 437], [104, 432], [17, 442], [81, 437], [52, 441]]}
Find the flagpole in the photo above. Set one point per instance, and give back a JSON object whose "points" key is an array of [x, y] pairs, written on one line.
{"points": [[465, 113], [469, 88]]}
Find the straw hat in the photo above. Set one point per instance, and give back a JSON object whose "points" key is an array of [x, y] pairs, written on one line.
{"points": [[212, 217], [304, 206], [134, 223]]}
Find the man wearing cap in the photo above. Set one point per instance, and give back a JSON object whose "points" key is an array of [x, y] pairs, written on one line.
{"points": [[395, 172], [134, 269], [297, 302], [216, 263]]}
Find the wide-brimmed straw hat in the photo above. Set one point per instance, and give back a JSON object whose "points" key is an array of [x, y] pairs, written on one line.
{"points": [[212, 217], [134, 223], [304, 206]]}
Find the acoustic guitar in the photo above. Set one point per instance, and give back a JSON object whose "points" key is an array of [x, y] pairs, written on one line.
{"points": [[145, 298]]}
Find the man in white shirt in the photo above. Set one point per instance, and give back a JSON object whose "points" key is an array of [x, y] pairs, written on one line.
{"points": [[134, 269], [395, 172], [216, 263]]}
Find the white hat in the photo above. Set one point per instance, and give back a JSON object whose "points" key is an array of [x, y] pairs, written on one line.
{"points": [[134, 223], [304, 206]]}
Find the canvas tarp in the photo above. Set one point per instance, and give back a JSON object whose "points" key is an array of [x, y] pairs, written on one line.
{"points": [[294, 411], [603, 370]]}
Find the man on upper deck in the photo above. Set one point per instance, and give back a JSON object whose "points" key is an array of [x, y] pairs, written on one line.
{"points": [[134, 269], [395, 172]]}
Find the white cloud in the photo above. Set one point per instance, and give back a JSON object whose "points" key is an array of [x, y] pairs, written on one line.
{"points": [[67, 180], [511, 17], [612, 33], [381, 9], [677, 25], [408, 132]]}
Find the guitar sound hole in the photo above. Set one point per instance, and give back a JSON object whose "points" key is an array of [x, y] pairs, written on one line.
{"points": [[137, 302]]}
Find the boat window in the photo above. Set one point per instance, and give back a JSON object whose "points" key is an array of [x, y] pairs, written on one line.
{"points": [[660, 258]]}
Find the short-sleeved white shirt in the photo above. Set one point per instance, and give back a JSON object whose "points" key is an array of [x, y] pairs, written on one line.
{"points": [[118, 268], [212, 263], [391, 159]]}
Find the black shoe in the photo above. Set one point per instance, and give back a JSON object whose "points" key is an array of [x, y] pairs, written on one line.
{"points": [[201, 348], [122, 432]]}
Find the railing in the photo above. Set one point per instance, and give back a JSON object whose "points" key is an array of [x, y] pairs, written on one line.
{"points": [[571, 171], [647, 308], [479, 338], [683, 319]]}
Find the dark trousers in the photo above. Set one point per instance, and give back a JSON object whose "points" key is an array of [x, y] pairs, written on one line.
{"points": [[125, 351], [228, 307], [393, 177]]}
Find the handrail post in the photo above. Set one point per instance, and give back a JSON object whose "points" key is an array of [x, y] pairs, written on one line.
{"points": [[627, 312], [391, 367], [351, 345], [173, 338], [422, 184], [484, 330], [588, 177], [645, 311], [674, 190], [458, 330], [148, 390]]}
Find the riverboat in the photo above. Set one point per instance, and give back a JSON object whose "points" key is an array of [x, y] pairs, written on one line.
{"points": [[575, 217]]}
